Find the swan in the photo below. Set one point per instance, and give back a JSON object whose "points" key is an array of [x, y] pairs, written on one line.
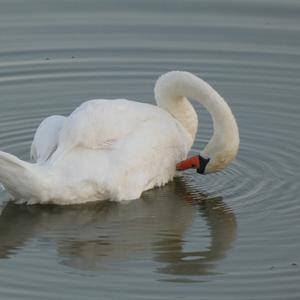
{"points": [[116, 149]]}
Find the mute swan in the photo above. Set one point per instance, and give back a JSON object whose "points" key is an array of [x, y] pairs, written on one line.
{"points": [[116, 149]]}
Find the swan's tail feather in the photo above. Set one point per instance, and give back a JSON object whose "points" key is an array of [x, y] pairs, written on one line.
{"points": [[18, 177]]}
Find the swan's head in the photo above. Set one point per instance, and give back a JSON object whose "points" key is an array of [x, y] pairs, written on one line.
{"points": [[196, 162], [207, 165], [213, 159]]}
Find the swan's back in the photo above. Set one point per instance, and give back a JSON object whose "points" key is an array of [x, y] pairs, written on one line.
{"points": [[98, 124]]}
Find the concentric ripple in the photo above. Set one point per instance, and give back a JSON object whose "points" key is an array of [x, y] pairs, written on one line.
{"points": [[231, 235]]}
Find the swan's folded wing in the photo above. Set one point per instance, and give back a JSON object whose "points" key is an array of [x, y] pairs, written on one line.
{"points": [[103, 124], [46, 138], [99, 123]]}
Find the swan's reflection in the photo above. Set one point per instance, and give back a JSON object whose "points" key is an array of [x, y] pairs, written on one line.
{"points": [[222, 231], [101, 235]]}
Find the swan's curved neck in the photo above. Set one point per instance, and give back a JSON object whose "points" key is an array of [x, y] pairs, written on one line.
{"points": [[171, 90]]}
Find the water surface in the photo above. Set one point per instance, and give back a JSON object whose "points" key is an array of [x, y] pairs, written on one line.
{"points": [[233, 235]]}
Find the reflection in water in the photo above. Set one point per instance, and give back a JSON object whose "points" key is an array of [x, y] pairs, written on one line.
{"points": [[222, 230], [97, 236]]}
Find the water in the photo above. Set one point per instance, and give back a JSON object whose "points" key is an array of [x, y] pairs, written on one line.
{"points": [[233, 235]]}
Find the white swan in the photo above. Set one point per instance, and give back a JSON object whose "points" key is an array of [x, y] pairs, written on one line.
{"points": [[116, 149]]}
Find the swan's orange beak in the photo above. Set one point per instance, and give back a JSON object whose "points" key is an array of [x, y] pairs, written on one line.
{"points": [[190, 163], [196, 162]]}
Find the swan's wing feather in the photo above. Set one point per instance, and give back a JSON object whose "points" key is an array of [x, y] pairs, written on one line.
{"points": [[97, 124], [46, 138]]}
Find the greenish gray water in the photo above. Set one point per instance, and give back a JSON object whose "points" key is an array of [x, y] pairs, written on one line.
{"points": [[233, 235]]}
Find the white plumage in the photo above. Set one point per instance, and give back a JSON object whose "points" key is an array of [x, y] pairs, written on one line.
{"points": [[116, 149], [45, 140]]}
